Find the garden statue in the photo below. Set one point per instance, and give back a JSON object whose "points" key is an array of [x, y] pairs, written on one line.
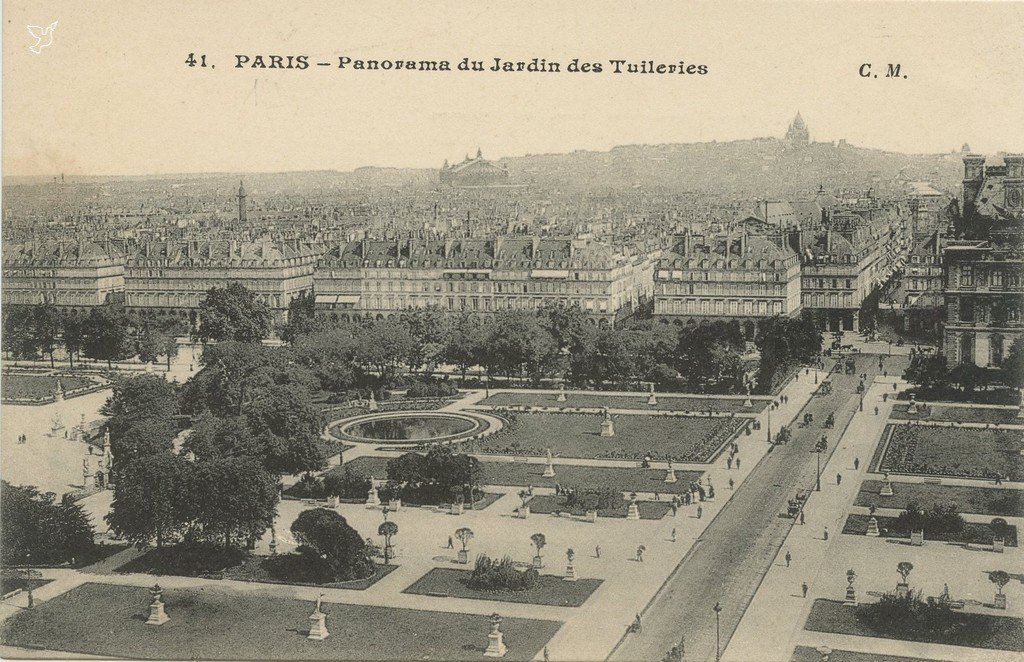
{"points": [[851, 593], [633, 512], [570, 570], [561, 393], [607, 426], [549, 469], [318, 626], [670, 477]]}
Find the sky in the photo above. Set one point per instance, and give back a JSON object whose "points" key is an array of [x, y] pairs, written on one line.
{"points": [[112, 94]]}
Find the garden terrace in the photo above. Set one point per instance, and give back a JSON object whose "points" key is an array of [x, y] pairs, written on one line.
{"points": [[684, 439], [955, 452], [550, 590], [957, 414], [977, 631], [544, 504], [635, 401], [523, 475], [20, 388], [975, 533], [217, 624], [980, 500]]}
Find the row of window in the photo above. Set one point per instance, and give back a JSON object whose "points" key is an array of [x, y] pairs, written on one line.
{"points": [[718, 307]]}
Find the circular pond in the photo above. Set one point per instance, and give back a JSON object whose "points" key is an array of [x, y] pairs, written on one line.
{"points": [[410, 428]]}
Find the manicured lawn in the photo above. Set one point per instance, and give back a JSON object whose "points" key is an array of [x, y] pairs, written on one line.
{"points": [[808, 654], [280, 569], [544, 504], [638, 401], [980, 500], [974, 532], [549, 590], [953, 413], [979, 631], [33, 387], [216, 624], [685, 439], [960, 452], [521, 474], [12, 580]]}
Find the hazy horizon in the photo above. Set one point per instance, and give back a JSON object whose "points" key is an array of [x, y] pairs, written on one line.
{"points": [[112, 96]]}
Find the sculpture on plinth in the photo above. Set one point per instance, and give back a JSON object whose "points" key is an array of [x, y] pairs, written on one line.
{"points": [[495, 639], [851, 593], [633, 512], [549, 468], [372, 499], [561, 393], [317, 622], [670, 476], [607, 426], [157, 615]]}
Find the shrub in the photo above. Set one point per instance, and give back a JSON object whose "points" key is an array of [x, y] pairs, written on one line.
{"points": [[431, 389], [33, 523], [309, 487], [593, 498], [324, 534], [346, 485], [491, 575], [909, 617], [941, 519]]}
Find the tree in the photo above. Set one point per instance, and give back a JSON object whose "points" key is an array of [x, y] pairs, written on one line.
{"points": [[904, 568], [426, 334], [927, 371], [36, 524], [287, 414], [302, 319], [147, 499], [19, 338], [1000, 578], [46, 324], [325, 535], [137, 398], [108, 334], [464, 535], [233, 313], [539, 541], [520, 346], [465, 343], [1013, 364], [383, 346], [388, 530], [233, 498], [73, 334]]}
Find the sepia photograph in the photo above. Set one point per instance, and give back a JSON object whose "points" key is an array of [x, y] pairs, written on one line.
{"points": [[547, 331]]}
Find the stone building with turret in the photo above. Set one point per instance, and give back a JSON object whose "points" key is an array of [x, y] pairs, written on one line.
{"points": [[798, 135]]}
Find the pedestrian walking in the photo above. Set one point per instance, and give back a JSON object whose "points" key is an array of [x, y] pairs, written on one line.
{"points": [[640, 554], [547, 656], [737, 463], [673, 535], [876, 410], [657, 496], [451, 543], [597, 551], [803, 587], [700, 512], [801, 517], [856, 463], [839, 479], [826, 533], [789, 558], [731, 483], [728, 462], [675, 509]]}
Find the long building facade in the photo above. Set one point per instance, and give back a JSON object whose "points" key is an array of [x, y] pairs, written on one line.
{"points": [[68, 274], [377, 278]]}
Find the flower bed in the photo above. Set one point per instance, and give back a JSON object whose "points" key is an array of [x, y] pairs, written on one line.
{"points": [[955, 452]]}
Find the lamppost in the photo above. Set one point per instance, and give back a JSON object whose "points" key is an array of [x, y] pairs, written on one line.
{"points": [[28, 579], [718, 632], [822, 445], [769, 424]]}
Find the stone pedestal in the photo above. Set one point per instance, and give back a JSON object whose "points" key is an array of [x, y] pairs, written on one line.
{"points": [[332, 501], [633, 512], [607, 428], [917, 538], [538, 562], [851, 596], [998, 544], [873, 528], [570, 572], [912, 407], [372, 404], [652, 399], [748, 403], [318, 626], [591, 516], [670, 476], [157, 616], [372, 499], [1000, 601], [549, 470], [495, 641], [524, 512], [463, 557], [902, 590], [561, 396], [456, 509], [886, 489]]}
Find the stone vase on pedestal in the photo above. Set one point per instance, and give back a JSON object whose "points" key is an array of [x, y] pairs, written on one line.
{"points": [[495, 640], [570, 572], [633, 512], [157, 615]]}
